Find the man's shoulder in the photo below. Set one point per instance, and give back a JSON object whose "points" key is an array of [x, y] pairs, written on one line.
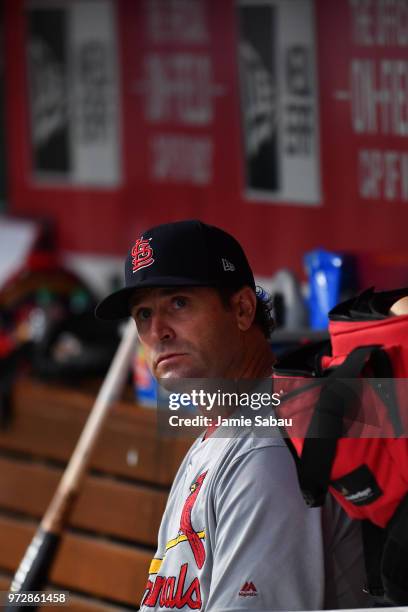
{"points": [[248, 448], [220, 456], [252, 443]]}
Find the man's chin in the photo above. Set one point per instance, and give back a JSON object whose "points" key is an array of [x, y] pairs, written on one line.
{"points": [[182, 381], [178, 375]]}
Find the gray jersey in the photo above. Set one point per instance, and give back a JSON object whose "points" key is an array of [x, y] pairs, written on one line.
{"points": [[237, 535]]}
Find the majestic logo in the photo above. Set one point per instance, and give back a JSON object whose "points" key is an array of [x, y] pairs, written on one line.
{"points": [[170, 592], [142, 254], [248, 590], [186, 527]]}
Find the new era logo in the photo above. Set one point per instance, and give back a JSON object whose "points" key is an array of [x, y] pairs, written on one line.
{"points": [[248, 590], [227, 265]]}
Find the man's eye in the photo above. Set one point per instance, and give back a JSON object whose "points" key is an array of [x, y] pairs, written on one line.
{"points": [[143, 314], [179, 302]]}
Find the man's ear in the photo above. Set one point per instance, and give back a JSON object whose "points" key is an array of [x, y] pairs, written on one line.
{"points": [[243, 303], [400, 307]]}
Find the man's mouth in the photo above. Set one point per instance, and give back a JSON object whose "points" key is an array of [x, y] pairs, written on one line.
{"points": [[168, 357]]}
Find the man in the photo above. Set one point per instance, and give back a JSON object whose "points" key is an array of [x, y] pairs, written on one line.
{"points": [[236, 533]]}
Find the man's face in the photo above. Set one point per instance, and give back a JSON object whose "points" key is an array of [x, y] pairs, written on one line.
{"points": [[187, 332]]}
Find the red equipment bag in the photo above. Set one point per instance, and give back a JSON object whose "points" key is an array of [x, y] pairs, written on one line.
{"points": [[348, 400]]}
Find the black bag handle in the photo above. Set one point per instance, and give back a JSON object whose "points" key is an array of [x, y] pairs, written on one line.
{"points": [[326, 427]]}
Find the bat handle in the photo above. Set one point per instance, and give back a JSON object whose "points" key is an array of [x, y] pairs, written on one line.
{"points": [[34, 567]]}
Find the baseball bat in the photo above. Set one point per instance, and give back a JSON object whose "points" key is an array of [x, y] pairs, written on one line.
{"points": [[33, 570]]}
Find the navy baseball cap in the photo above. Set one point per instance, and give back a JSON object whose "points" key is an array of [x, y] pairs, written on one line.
{"points": [[181, 254]]}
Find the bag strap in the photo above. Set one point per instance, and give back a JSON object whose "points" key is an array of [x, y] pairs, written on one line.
{"points": [[326, 427], [394, 570], [382, 368], [374, 538]]}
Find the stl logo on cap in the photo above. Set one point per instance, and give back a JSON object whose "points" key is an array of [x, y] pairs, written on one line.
{"points": [[142, 254]]}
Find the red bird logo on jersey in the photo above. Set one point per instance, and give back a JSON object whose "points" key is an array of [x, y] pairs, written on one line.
{"points": [[142, 254], [186, 527]]}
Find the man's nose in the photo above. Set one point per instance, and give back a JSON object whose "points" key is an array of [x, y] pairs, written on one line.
{"points": [[161, 328]]}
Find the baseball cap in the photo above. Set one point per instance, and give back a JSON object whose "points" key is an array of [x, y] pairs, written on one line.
{"points": [[181, 254]]}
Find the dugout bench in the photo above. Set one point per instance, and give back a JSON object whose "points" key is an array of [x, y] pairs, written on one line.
{"points": [[111, 537]]}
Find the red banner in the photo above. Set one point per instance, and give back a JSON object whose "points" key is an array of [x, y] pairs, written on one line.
{"points": [[286, 127]]}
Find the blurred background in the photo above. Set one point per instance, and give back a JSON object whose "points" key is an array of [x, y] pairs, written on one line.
{"points": [[284, 122]]}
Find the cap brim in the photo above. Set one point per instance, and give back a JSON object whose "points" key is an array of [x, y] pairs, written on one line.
{"points": [[117, 305]]}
